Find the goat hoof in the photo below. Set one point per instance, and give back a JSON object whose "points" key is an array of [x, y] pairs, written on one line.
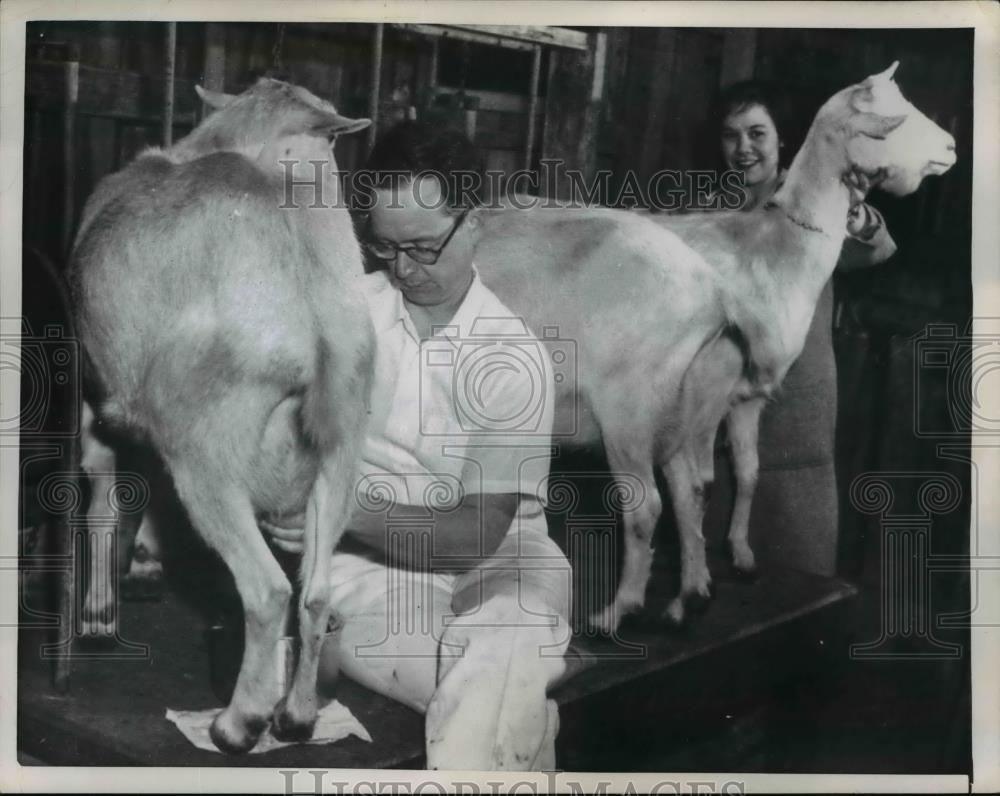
{"points": [[698, 603], [99, 623], [289, 729], [744, 563], [675, 615], [233, 737], [604, 622], [745, 574]]}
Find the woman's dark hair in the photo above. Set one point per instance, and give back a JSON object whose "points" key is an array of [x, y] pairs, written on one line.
{"points": [[775, 99], [412, 147]]}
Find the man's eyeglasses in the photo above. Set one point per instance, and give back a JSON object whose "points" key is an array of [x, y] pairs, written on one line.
{"points": [[421, 254]]}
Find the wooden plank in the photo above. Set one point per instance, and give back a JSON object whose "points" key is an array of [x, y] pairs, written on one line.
{"points": [[489, 100], [109, 93], [114, 713]]}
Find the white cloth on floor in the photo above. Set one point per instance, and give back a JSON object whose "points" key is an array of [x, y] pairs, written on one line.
{"points": [[335, 722]]}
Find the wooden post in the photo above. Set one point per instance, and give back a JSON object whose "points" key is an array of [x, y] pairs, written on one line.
{"points": [[376, 80], [72, 88], [661, 68], [168, 84], [536, 69], [572, 113], [214, 76]]}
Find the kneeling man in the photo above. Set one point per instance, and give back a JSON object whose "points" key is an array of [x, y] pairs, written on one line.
{"points": [[453, 597]]}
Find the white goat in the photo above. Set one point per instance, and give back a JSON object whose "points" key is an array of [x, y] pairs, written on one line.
{"points": [[222, 325], [666, 351]]}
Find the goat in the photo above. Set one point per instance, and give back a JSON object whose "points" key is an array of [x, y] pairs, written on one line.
{"points": [[223, 325], [666, 353]]}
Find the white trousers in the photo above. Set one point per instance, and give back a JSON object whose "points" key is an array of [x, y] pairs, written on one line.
{"points": [[475, 652]]}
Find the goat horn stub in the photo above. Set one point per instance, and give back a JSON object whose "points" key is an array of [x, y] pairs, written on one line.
{"points": [[888, 73], [886, 76]]}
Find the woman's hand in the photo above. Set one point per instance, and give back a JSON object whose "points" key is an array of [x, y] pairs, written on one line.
{"points": [[861, 222], [288, 538]]}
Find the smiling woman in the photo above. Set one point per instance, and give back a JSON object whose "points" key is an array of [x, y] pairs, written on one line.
{"points": [[757, 135]]}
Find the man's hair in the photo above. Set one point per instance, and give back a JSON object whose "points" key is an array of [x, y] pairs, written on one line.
{"points": [[411, 148]]}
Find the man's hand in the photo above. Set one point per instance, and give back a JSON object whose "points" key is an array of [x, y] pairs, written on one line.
{"points": [[471, 531], [287, 538]]}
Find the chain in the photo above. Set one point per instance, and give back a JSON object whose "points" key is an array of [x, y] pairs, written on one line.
{"points": [[798, 222]]}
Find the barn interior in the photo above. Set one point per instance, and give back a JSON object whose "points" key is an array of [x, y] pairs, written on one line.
{"points": [[864, 670]]}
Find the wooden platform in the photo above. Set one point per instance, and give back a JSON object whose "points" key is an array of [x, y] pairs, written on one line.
{"points": [[627, 704]]}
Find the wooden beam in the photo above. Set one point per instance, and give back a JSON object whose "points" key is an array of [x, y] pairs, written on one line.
{"points": [[514, 37], [534, 34]]}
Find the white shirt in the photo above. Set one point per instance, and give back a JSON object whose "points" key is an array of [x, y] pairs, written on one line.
{"points": [[467, 411]]}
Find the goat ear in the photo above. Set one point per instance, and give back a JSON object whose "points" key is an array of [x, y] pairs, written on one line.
{"points": [[874, 125], [863, 98], [335, 124], [214, 99]]}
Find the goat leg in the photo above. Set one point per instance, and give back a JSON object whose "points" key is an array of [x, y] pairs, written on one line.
{"points": [[326, 516], [685, 478], [144, 579], [98, 462], [223, 514], [742, 425], [639, 527]]}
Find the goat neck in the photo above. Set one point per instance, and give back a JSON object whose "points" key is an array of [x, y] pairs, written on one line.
{"points": [[814, 195]]}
